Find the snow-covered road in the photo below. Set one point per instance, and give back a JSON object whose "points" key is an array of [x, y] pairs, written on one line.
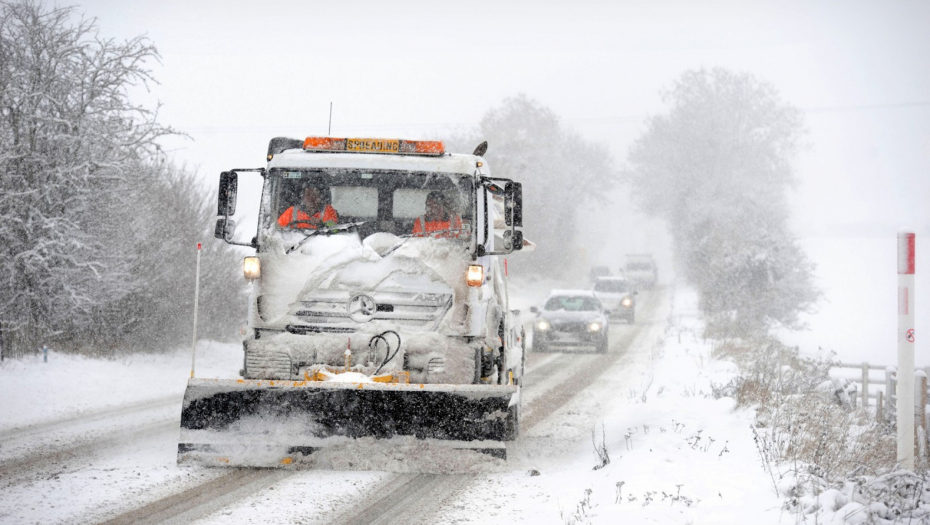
{"points": [[552, 380], [117, 462]]}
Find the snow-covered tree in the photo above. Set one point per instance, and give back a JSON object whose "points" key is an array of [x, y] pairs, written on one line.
{"points": [[717, 168], [560, 171], [165, 214], [75, 156]]}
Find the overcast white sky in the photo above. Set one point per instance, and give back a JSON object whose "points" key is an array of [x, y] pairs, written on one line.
{"points": [[234, 74]]}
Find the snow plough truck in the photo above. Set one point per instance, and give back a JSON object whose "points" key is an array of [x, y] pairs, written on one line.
{"points": [[378, 310]]}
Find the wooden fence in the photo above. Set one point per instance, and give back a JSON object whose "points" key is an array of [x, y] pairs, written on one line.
{"points": [[885, 395]]}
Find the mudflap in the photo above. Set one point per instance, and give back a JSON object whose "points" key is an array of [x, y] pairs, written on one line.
{"points": [[278, 423]]}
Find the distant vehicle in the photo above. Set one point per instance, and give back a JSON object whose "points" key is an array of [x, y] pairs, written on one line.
{"points": [[641, 270], [570, 319], [617, 295], [598, 271]]}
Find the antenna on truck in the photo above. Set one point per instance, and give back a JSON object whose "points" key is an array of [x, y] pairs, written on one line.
{"points": [[330, 130]]}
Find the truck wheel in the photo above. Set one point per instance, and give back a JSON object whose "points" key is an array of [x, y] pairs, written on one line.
{"points": [[502, 356], [489, 367]]}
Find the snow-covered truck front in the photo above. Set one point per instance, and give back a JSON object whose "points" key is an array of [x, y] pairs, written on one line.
{"points": [[378, 305]]}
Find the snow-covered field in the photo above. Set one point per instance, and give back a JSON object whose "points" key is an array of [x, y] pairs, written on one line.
{"points": [[676, 454]]}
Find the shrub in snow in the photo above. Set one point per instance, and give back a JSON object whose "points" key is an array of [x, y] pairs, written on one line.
{"points": [[829, 461], [894, 497], [582, 510], [600, 449]]}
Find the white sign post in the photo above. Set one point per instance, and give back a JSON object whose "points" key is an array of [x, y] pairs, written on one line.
{"points": [[196, 308], [905, 390]]}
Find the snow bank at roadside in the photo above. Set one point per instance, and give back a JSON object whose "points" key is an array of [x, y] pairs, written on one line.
{"points": [[677, 455], [34, 391]]}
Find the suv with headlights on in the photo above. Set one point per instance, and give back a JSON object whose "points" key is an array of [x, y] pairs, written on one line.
{"points": [[618, 296], [570, 319]]}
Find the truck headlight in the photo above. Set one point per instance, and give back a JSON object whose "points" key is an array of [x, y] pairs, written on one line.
{"points": [[475, 275], [251, 268], [594, 327], [542, 325], [627, 302]]}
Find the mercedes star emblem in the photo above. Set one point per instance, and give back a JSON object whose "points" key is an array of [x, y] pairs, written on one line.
{"points": [[361, 308]]}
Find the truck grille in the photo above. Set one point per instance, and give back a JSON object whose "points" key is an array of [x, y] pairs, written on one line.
{"points": [[267, 365], [328, 313]]}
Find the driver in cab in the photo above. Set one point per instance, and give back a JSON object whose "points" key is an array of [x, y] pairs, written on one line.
{"points": [[310, 212], [439, 219]]}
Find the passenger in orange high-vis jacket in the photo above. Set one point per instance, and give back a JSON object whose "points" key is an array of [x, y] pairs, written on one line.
{"points": [[310, 213], [439, 221]]}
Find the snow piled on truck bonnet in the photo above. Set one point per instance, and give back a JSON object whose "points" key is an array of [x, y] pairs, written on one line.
{"points": [[338, 267]]}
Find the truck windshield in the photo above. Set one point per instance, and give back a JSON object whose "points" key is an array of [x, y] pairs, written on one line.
{"points": [[419, 204]]}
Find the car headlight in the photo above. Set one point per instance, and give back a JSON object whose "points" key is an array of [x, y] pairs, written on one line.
{"points": [[594, 326], [542, 325], [627, 302]]}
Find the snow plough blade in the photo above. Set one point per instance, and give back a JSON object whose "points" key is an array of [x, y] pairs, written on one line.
{"points": [[275, 423]]}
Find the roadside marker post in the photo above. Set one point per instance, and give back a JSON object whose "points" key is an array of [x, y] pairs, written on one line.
{"points": [[196, 304], [905, 387]]}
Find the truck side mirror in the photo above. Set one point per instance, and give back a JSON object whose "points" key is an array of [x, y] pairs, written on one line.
{"points": [[517, 204], [507, 240], [226, 200], [225, 228], [534, 310], [503, 203], [513, 204], [517, 240]]}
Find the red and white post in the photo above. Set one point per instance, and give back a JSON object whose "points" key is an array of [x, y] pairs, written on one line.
{"points": [[905, 389]]}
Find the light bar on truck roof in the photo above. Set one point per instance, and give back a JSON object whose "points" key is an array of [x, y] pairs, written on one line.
{"points": [[382, 146]]}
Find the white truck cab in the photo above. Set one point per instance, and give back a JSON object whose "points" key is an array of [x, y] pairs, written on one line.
{"points": [[433, 304]]}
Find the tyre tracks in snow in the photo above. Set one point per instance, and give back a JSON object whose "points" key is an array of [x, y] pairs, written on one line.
{"points": [[81, 418], [416, 497], [48, 448], [203, 499], [411, 495]]}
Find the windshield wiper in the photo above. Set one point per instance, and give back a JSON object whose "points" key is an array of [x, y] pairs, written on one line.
{"points": [[327, 231], [404, 239], [407, 236]]}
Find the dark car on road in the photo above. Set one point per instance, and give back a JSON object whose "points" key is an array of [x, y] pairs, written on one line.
{"points": [[570, 319]]}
